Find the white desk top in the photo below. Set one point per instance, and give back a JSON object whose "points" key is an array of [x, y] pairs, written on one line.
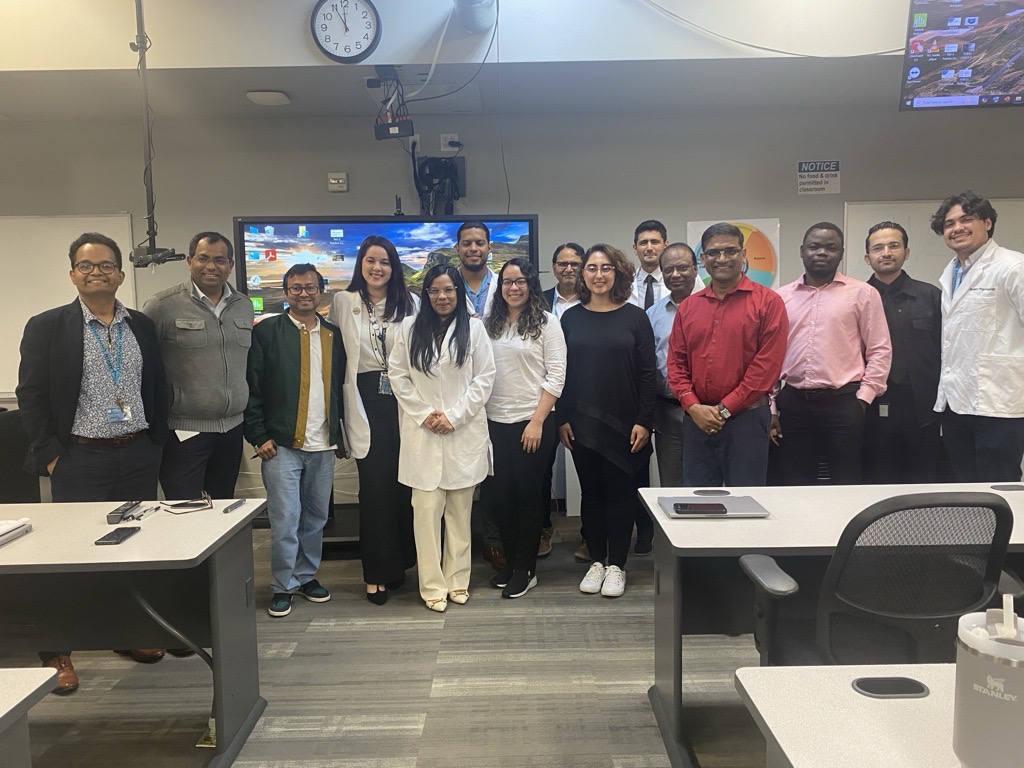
{"points": [[818, 719], [803, 519], [63, 535], [20, 689]]}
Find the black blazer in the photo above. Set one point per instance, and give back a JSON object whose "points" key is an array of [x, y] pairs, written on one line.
{"points": [[549, 298], [50, 380]]}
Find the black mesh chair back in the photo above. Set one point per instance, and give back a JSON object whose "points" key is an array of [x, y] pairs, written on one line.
{"points": [[904, 572], [16, 485]]}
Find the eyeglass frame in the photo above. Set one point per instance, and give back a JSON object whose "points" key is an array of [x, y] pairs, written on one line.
{"points": [[298, 290], [112, 267]]}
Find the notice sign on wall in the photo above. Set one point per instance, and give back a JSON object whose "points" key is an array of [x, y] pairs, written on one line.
{"points": [[817, 177]]}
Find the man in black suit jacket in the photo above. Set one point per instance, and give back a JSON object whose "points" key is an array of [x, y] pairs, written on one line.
{"points": [[93, 399]]}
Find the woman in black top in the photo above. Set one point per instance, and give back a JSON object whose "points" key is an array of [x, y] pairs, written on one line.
{"points": [[607, 409]]}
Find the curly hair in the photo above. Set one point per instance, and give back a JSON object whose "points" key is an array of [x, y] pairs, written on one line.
{"points": [[624, 272], [532, 319]]}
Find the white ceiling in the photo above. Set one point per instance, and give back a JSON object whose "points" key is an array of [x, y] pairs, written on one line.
{"points": [[651, 87]]}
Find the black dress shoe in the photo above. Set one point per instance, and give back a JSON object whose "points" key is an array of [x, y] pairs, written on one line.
{"points": [[181, 653], [377, 598]]}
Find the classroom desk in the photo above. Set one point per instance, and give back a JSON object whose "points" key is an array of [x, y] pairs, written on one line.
{"points": [[804, 520], [195, 570], [812, 716], [19, 690]]}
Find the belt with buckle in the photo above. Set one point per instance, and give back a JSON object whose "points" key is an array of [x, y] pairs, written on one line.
{"points": [[110, 442]]}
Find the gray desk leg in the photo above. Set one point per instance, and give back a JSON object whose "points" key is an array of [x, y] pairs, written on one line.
{"points": [[236, 677], [666, 694], [14, 744]]}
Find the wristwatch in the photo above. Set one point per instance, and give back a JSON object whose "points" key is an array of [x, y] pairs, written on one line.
{"points": [[723, 411]]}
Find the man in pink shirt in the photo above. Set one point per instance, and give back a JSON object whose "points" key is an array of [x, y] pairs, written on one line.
{"points": [[836, 364]]}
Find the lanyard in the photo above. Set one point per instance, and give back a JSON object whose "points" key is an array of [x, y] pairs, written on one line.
{"points": [[115, 370], [378, 336]]}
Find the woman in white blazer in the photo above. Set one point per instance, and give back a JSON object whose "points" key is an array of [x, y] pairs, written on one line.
{"points": [[368, 313], [442, 372]]}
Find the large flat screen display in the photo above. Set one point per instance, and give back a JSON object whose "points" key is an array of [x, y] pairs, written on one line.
{"points": [[964, 53], [266, 246]]}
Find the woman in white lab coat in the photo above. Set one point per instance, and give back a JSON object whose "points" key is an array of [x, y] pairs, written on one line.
{"points": [[442, 372]]}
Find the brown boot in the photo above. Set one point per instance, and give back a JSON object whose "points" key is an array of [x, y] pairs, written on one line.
{"points": [[67, 680], [496, 557]]}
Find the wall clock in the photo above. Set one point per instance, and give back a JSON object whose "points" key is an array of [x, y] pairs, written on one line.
{"points": [[346, 31]]}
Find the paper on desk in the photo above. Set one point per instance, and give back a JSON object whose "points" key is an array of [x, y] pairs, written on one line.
{"points": [[184, 434]]}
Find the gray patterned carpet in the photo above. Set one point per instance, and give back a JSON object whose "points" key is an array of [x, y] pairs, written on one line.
{"points": [[555, 678]]}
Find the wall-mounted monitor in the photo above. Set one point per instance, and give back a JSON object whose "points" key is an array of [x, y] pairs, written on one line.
{"points": [[266, 246], [964, 53]]}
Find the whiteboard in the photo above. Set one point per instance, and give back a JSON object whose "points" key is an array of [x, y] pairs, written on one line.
{"points": [[34, 258], [928, 253]]}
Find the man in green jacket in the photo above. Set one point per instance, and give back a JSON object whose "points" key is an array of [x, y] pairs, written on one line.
{"points": [[293, 418]]}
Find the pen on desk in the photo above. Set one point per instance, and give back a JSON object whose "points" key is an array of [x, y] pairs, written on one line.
{"points": [[234, 506]]}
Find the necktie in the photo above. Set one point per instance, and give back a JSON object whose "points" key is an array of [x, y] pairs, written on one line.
{"points": [[649, 297]]}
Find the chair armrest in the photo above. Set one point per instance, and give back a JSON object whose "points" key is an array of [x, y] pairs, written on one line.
{"points": [[767, 575], [1010, 584]]}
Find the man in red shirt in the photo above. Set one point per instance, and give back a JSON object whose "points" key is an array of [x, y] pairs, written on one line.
{"points": [[725, 355]]}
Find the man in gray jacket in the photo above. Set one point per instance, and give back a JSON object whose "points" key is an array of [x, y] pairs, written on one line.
{"points": [[204, 329]]}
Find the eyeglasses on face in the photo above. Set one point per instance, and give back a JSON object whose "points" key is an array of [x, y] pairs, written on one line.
{"points": [[435, 292], [604, 269], [296, 290], [519, 282], [722, 253], [217, 261], [682, 269], [106, 267], [564, 265]]}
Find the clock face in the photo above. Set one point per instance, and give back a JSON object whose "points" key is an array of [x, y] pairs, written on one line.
{"points": [[345, 30]]}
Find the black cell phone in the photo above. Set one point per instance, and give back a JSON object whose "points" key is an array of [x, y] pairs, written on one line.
{"points": [[118, 535], [890, 687], [690, 508]]}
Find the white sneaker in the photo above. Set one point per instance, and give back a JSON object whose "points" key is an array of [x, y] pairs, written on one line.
{"points": [[592, 582], [614, 582]]}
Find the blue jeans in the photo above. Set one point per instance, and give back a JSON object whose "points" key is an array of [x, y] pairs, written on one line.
{"points": [[298, 487], [736, 456]]}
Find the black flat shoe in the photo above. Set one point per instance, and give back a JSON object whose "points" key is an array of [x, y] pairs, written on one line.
{"points": [[377, 598]]}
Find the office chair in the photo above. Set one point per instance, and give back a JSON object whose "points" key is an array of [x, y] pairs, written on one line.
{"points": [[17, 486], [903, 573]]}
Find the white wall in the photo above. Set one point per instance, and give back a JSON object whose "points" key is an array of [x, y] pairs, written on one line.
{"points": [[591, 178]]}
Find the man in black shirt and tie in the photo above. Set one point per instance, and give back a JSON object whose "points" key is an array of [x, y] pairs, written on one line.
{"points": [[649, 240], [901, 431]]}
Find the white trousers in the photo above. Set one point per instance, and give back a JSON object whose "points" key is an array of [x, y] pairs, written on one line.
{"points": [[442, 569]]}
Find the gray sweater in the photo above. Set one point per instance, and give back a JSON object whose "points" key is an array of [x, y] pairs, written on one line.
{"points": [[204, 357]]}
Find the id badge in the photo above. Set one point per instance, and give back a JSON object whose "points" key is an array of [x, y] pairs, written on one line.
{"points": [[883, 409], [384, 387], [117, 414]]}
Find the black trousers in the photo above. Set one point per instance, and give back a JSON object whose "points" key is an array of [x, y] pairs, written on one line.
{"points": [[545, 487], [514, 489], [608, 505], [983, 449], [829, 428], [101, 473], [207, 462], [897, 449], [386, 543]]}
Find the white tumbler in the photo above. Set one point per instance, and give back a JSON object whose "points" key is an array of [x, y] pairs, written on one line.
{"points": [[988, 704]]}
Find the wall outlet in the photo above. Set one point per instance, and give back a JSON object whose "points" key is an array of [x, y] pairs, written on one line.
{"points": [[447, 140]]}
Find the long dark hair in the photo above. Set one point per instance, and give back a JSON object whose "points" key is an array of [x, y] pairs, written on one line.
{"points": [[428, 329], [399, 301], [532, 318]]}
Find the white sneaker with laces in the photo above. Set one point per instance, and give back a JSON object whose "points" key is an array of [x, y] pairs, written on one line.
{"points": [[592, 582], [614, 582]]}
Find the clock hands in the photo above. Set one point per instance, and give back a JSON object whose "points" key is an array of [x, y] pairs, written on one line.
{"points": [[344, 18]]}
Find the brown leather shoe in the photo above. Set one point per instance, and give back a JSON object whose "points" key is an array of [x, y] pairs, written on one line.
{"points": [[144, 655], [67, 680], [496, 557]]}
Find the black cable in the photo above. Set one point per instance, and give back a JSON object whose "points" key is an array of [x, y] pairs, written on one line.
{"points": [[494, 33], [170, 629], [501, 133]]}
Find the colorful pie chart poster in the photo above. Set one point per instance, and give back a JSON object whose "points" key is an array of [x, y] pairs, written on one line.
{"points": [[760, 238]]}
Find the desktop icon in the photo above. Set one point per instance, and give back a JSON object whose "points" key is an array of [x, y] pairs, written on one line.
{"points": [[971, 21], [949, 74], [954, 21], [254, 282], [257, 303], [914, 73], [964, 74], [916, 48], [337, 234], [270, 254], [303, 231], [252, 255], [254, 230], [950, 48], [920, 20], [268, 230]]}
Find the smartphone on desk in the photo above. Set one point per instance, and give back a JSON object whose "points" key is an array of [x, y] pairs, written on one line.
{"points": [[118, 535], [697, 509]]}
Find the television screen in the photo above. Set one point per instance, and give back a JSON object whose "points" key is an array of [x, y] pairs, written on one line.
{"points": [[964, 53], [266, 246]]}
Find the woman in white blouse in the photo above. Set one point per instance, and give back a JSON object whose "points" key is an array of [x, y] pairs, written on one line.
{"points": [[529, 355], [442, 371], [368, 313]]}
